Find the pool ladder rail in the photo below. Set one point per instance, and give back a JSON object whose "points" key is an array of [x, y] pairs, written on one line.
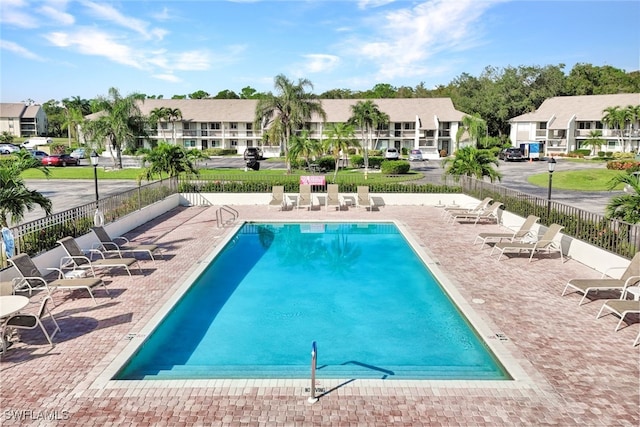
{"points": [[230, 212], [314, 357]]}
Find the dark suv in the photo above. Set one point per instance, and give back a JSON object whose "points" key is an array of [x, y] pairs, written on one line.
{"points": [[511, 154], [251, 157]]}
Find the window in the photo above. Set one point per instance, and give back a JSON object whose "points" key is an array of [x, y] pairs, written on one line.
{"points": [[584, 125], [249, 126], [234, 142], [189, 143], [214, 125], [398, 126], [542, 125], [164, 125], [409, 126], [599, 125], [233, 125]]}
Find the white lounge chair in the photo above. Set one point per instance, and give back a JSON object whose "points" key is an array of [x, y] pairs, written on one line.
{"points": [[31, 321], [621, 307], [630, 277], [121, 244], [518, 235], [278, 198], [490, 214], [77, 259], [304, 196], [480, 207], [363, 199], [333, 197], [548, 242]]}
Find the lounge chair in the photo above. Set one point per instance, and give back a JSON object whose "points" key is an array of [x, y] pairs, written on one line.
{"points": [[32, 277], [630, 277], [30, 321], [304, 196], [278, 197], [621, 307], [363, 199], [546, 243], [480, 207], [333, 197], [77, 259], [515, 236], [110, 245], [489, 214]]}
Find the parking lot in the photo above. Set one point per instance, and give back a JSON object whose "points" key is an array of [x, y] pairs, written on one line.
{"points": [[70, 193]]}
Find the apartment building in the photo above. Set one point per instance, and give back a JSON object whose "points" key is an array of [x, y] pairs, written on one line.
{"points": [[429, 124], [564, 123], [23, 121]]}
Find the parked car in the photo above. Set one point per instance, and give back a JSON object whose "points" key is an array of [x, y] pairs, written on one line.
{"points": [[511, 154], [34, 142], [415, 155], [38, 154], [60, 160], [391, 153], [8, 148], [79, 153], [253, 153]]}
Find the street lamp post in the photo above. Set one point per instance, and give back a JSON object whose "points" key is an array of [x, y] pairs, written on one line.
{"points": [[551, 164], [94, 161]]}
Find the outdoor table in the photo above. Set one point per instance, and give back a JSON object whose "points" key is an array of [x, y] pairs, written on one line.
{"points": [[10, 304]]}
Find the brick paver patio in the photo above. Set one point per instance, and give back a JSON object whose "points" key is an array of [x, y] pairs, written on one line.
{"points": [[580, 371]]}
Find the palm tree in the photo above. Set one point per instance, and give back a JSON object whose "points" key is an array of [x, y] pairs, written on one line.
{"points": [[119, 122], [288, 110], [340, 136], [625, 207], [595, 140], [615, 119], [173, 114], [474, 127], [471, 161], [367, 116], [15, 197], [632, 113], [167, 159], [302, 145]]}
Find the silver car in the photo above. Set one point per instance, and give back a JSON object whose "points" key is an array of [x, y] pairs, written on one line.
{"points": [[415, 156]]}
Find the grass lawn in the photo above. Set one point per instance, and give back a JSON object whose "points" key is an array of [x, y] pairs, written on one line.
{"points": [[582, 180], [86, 172]]}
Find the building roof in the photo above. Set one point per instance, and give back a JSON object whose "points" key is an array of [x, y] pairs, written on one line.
{"points": [[337, 110], [14, 109], [585, 108], [31, 111]]}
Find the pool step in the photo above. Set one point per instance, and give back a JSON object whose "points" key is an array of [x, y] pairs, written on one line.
{"points": [[333, 371]]}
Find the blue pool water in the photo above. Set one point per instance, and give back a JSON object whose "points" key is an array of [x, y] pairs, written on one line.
{"points": [[358, 290]]}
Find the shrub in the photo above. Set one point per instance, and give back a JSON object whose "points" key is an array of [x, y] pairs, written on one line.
{"points": [[220, 151], [581, 152], [375, 161], [601, 153], [395, 167], [443, 153], [357, 161], [622, 165], [326, 163]]}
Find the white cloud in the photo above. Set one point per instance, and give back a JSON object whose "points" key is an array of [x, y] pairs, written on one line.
{"points": [[18, 50], [409, 37], [55, 11], [318, 63], [167, 78], [109, 13], [89, 41], [16, 13], [365, 4], [163, 15]]}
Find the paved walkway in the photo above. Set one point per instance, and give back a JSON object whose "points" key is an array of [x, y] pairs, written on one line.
{"points": [[580, 371]]}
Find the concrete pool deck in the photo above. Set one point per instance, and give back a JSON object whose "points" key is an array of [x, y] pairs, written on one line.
{"points": [[579, 371]]}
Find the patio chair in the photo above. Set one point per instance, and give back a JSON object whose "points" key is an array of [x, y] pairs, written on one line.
{"points": [[333, 197], [110, 245], [489, 214], [621, 307], [363, 199], [30, 321], [524, 231], [278, 197], [304, 196], [31, 276], [77, 259], [480, 207], [545, 243], [630, 277]]}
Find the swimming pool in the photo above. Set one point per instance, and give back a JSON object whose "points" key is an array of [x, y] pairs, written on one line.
{"points": [[358, 289]]}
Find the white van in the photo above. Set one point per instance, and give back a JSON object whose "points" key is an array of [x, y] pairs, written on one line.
{"points": [[32, 143]]}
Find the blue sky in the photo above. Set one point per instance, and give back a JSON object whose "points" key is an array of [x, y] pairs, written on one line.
{"points": [[55, 49]]}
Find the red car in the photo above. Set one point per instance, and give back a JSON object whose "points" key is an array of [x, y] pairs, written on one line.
{"points": [[59, 160]]}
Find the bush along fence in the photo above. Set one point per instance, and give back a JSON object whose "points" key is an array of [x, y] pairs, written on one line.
{"points": [[39, 236], [619, 237]]}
